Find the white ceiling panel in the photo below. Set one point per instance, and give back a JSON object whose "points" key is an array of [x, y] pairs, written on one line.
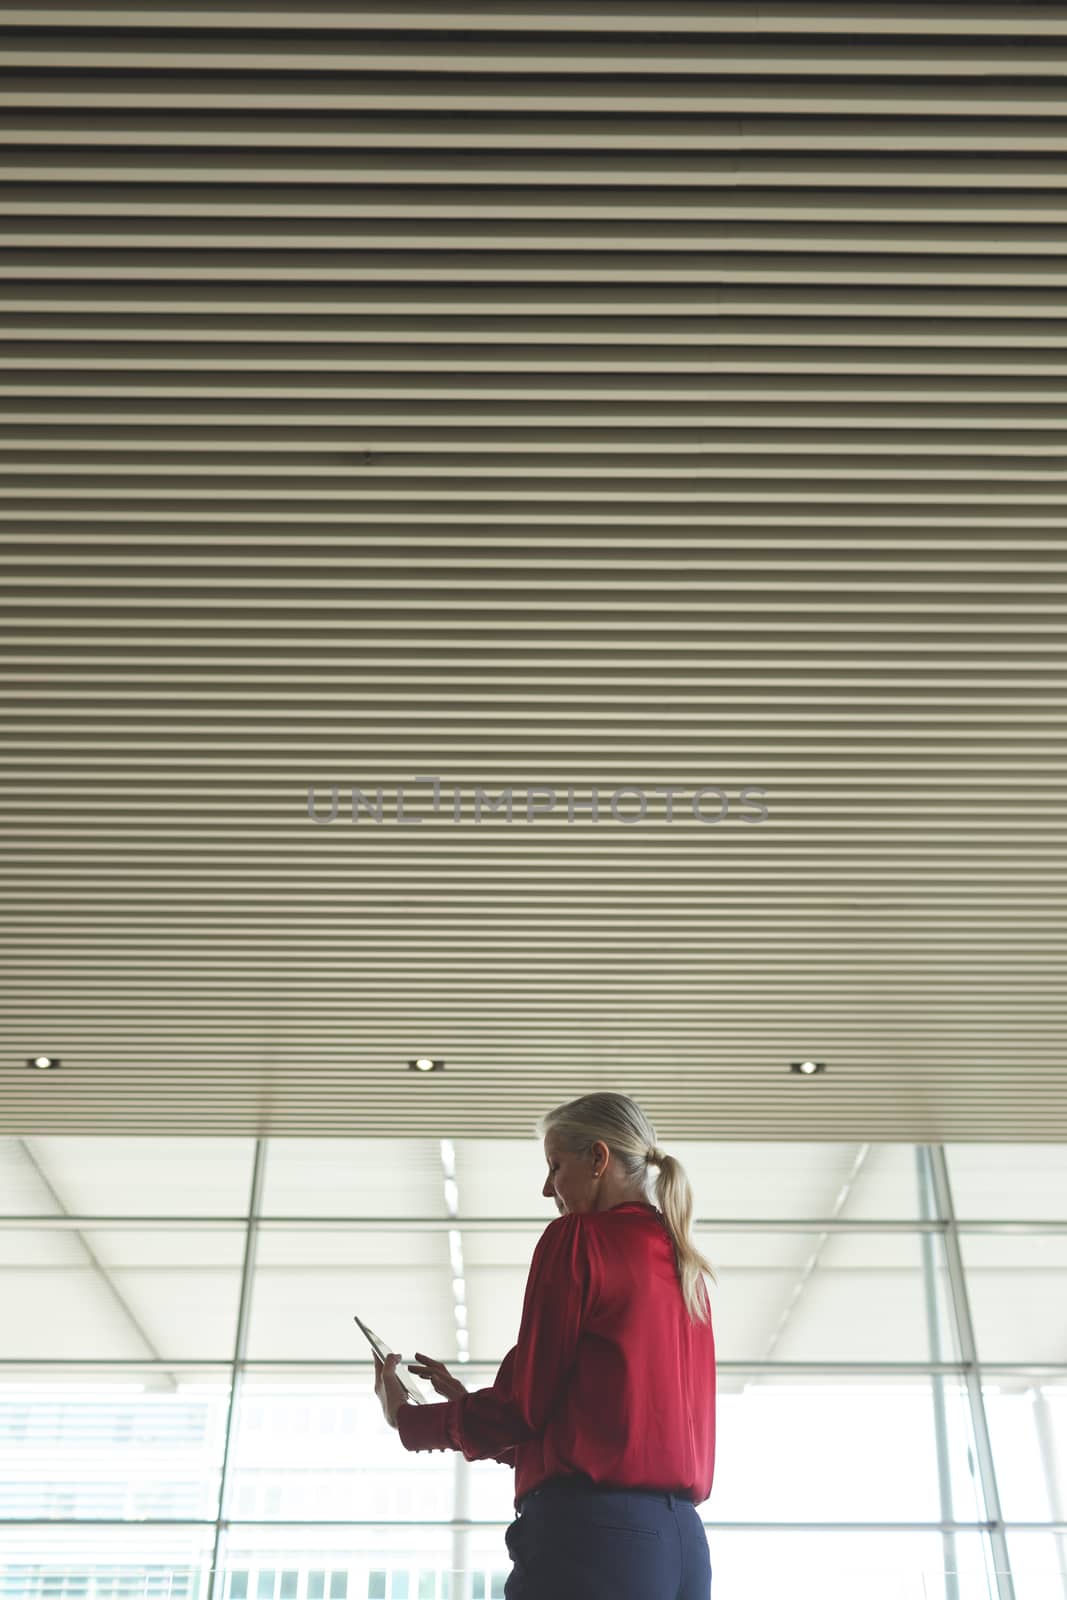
{"points": [[305, 1313], [502, 1177], [129, 1176], [757, 1179], [353, 1178], [796, 1298], [1014, 1182], [60, 1303], [1017, 1288]]}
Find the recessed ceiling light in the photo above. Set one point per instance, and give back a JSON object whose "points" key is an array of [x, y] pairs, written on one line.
{"points": [[43, 1063], [425, 1064], [807, 1066]]}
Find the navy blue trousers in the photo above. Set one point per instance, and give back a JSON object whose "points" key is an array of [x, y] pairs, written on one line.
{"points": [[573, 1540]]}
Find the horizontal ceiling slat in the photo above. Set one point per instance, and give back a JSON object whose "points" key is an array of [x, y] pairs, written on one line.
{"points": [[544, 388], [200, 981], [744, 550], [525, 59], [480, 858], [519, 475], [578, 874], [648, 505], [634, 363], [272, 170], [82, 235], [611, 16], [588, 262], [106, 333], [580, 427], [707, 211], [522, 96], [852, 129], [540, 300], [628, 488], [422, 453]]}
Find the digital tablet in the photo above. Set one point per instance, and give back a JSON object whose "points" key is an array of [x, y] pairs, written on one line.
{"points": [[381, 1349]]}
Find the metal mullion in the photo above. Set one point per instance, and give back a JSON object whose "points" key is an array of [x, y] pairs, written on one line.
{"points": [[428, 1522], [214, 1591], [856, 1369], [928, 1203], [1005, 1586], [510, 1224], [76, 1220]]}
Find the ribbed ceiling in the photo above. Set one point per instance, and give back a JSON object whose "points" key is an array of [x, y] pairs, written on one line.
{"points": [[534, 397]]}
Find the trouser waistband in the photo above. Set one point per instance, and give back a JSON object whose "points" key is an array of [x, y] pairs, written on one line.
{"points": [[574, 1483]]}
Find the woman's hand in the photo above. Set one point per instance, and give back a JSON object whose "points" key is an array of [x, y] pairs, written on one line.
{"points": [[388, 1388], [426, 1367]]}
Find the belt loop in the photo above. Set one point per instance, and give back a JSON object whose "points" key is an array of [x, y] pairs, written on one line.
{"points": [[670, 1501]]}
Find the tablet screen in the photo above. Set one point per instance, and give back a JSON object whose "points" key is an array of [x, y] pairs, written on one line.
{"points": [[381, 1350]]}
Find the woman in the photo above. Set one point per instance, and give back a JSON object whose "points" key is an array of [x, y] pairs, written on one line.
{"points": [[606, 1405]]}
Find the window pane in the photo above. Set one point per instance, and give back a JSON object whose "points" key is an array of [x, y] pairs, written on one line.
{"points": [[768, 1565], [111, 1177], [361, 1561], [309, 1284], [496, 1266], [129, 1443], [322, 1473], [1017, 1287], [353, 1178], [824, 1449], [169, 1292], [161, 1563], [1028, 1429], [1038, 1565], [829, 1297], [1009, 1182]]}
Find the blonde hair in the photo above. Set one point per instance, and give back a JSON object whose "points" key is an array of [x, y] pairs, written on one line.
{"points": [[621, 1124]]}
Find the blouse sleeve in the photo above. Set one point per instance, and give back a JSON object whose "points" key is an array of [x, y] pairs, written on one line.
{"points": [[488, 1423]]}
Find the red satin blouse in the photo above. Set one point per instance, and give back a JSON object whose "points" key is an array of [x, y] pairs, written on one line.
{"points": [[609, 1376]]}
